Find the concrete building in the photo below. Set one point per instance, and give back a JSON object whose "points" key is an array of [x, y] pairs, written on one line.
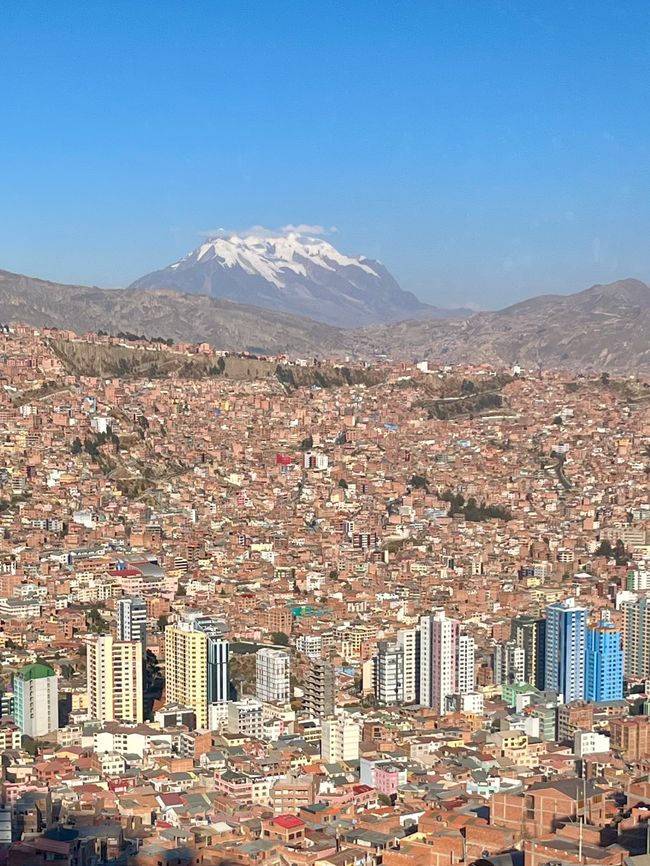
{"points": [[466, 665], [131, 614], [509, 663], [246, 718], [636, 637], [186, 668], [320, 689], [36, 696], [272, 684], [409, 640], [114, 679], [447, 665], [389, 673], [340, 738], [529, 633]]}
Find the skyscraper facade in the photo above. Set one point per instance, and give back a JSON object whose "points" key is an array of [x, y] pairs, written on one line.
{"points": [[114, 679], [218, 658], [466, 665], [186, 668], [438, 660], [529, 633], [636, 637], [566, 637], [409, 640], [389, 673], [131, 613], [604, 663], [509, 663], [272, 676]]}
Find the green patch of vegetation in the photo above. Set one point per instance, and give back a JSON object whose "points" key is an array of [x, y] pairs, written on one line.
{"points": [[472, 511]]}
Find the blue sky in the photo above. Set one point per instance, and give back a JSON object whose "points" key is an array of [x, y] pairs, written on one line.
{"points": [[484, 150]]}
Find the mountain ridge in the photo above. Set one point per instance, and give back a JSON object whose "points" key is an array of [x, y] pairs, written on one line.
{"points": [[604, 327]]}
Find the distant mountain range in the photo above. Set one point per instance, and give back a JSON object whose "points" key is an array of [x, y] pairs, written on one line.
{"points": [[602, 328], [293, 273]]}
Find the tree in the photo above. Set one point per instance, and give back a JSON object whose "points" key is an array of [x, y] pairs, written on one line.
{"points": [[343, 484], [307, 443], [419, 482], [604, 549], [280, 638], [162, 621], [95, 622], [76, 445], [620, 553], [29, 745]]}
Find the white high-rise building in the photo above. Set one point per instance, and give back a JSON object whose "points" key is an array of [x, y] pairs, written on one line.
{"points": [[438, 660], [389, 673], [408, 640], [272, 676], [466, 665], [36, 700]]}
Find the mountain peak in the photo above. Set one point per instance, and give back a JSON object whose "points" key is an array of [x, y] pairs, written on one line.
{"points": [[293, 272]]}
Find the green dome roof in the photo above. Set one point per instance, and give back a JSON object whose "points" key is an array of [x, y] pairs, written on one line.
{"points": [[37, 671]]}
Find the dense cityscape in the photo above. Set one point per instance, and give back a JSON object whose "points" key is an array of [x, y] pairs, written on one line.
{"points": [[288, 612]]}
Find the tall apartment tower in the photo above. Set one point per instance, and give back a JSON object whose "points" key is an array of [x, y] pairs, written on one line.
{"points": [[509, 663], [389, 673], [529, 633], [636, 637], [438, 660], [466, 665], [132, 619], [186, 669], [272, 676], [409, 640], [218, 657], [218, 670], [320, 689], [36, 700], [114, 679], [566, 639], [604, 663]]}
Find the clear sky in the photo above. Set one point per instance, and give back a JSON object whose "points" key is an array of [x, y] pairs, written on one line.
{"points": [[484, 150]]}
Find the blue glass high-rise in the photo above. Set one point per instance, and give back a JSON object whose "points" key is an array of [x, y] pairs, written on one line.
{"points": [[604, 663], [565, 649]]}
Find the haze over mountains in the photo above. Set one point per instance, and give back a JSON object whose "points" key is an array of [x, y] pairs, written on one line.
{"points": [[602, 328], [294, 273]]}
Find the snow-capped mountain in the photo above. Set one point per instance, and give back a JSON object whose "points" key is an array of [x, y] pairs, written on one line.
{"points": [[295, 273]]}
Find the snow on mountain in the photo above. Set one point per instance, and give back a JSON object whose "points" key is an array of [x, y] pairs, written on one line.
{"points": [[292, 272]]}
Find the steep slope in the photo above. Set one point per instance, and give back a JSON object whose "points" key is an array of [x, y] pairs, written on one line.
{"points": [[293, 273], [601, 328]]}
